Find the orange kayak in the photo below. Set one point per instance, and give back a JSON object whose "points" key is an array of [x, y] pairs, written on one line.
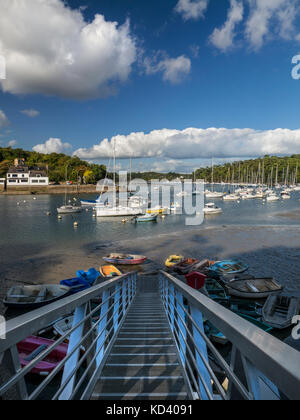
{"points": [[110, 271]]}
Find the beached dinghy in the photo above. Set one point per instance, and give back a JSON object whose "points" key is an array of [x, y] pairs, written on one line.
{"points": [[91, 276], [33, 297], [228, 267], [185, 266], [121, 259], [76, 285], [109, 271], [173, 260], [280, 310], [32, 347], [254, 288]]}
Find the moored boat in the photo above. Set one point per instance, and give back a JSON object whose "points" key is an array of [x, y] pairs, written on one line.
{"points": [[228, 267], [123, 259], [211, 209], [254, 288], [32, 347], [185, 266], [146, 218], [33, 297], [109, 271], [279, 311], [173, 260]]}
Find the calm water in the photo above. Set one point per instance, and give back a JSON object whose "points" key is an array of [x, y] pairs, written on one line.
{"points": [[28, 223]]}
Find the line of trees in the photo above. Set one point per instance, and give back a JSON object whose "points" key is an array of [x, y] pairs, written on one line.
{"points": [[55, 164], [262, 170]]}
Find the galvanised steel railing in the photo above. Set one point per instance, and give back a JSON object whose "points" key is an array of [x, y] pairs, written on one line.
{"points": [[98, 314], [260, 367]]}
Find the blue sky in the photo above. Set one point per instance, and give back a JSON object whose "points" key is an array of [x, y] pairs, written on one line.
{"points": [[165, 79]]}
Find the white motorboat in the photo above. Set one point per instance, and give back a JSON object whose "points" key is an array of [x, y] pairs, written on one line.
{"points": [[273, 197], [211, 208], [249, 196], [285, 195], [214, 194], [69, 209], [118, 211], [231, 197]]}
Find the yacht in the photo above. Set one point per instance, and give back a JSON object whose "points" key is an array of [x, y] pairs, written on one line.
{"points": [[273, 197], [214, 194], [231, 197], [211, 208]]}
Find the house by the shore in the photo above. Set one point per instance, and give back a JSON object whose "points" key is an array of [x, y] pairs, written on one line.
{"points": [[20, 175]]}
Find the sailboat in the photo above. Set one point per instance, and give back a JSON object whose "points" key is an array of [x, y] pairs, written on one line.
{"points": [[213, 194], [68, 208], [115, 210]]}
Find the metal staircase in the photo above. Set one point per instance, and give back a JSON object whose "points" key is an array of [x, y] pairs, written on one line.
{"points": [[143, 363]]}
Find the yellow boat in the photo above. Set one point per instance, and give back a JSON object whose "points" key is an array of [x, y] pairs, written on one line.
{"points": [[157, 210], [173, 260], [110, 271]]}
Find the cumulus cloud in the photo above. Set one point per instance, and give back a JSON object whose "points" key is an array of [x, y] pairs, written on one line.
{"points": [[282, 13], [174, 70], [31, 113], [50, 49], [224, 38], [197, 143], [192, 9], [52, 146], [4, 122]]}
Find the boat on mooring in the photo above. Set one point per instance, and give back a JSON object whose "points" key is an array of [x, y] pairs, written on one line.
{"points": [[146, 218], [125, 259], [33, 297], [254, 288]]}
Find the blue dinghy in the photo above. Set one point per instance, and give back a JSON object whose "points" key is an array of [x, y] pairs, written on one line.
{"points": [[90, 276], [76, 285], [228, 267]]}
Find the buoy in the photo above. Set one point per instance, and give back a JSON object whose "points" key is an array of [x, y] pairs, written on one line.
{"points": [[24, 201], [59, 217], [18, 204], [86, 210], [76, 224], [163, 216], [124, 221], [48, 213]]}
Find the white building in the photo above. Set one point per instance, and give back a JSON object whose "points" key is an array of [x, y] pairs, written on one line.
{"points": [[2, 181], [20, 175]]}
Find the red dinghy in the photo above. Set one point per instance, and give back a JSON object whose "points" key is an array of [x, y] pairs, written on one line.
{"points": [[32, 347], [121, 259]]}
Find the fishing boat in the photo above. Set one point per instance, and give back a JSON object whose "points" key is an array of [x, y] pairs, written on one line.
{"points": [[279, 311], [121, 259], [228, 267], [173, 260], [33, 297], [146, 218], [254, 288], [211, 208], [185, 266], [109, 271], [32, 347]]}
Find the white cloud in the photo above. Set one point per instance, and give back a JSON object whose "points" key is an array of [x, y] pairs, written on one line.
{"points": [[4, 122], [192, 9], [12, 143], [280, 13], [31, 113], [50, 49], [174, 70], [197, 143], [224, 38], [52, 146]]}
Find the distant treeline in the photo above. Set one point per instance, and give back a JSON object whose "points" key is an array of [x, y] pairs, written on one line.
{"points": [[55, 165], [263, 170]]}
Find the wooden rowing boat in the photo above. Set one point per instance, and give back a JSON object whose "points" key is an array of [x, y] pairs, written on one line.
{"points": [[33, 297], [279, 311], [173, 260], [254, 288], [228, 267], [121, 259], [109, 271], [185, 266]]}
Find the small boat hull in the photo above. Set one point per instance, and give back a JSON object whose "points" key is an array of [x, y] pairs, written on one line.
{"points": [[33, 297], [147, 218], [173, 260], [31, 347], [280, 310], [109, 271], [120, 259], [254, 288], [75, 285], [228, 267]]}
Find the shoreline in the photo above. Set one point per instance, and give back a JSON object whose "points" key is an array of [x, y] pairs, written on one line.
{"points": [[269, 251], [51, 190]]}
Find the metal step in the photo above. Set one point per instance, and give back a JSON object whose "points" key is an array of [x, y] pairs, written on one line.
{"points": [[143, 362]]}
